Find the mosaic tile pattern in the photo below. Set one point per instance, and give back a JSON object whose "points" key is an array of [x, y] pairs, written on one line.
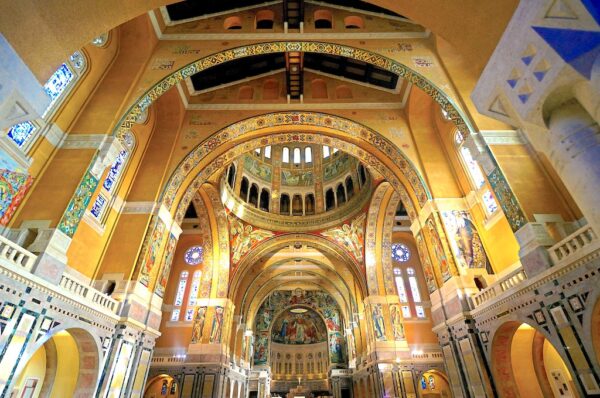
{"points": [[508, 202], [79, 202]]}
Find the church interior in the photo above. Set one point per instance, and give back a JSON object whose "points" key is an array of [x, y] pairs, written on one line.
{"points": [[299, 198]]}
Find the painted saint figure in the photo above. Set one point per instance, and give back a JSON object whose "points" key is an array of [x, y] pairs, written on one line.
{"points": [[198, 324], [378, 322], [397, 326], [217, 325]]}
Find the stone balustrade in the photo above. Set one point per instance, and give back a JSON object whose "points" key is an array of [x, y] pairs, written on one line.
{"points": [[506, 282], [575, 245], [15, 258], [16, 255]]}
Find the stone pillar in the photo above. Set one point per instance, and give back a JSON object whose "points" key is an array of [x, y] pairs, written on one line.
{"points": [[463, 355], [574, 151], [534, 241]]}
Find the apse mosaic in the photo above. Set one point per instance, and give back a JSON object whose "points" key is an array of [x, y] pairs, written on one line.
{"points": [[298, 326], [298, 317], [339, 165]]}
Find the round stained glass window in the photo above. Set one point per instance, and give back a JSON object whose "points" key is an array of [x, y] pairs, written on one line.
{"points": [[194, 255], [400, 252]]}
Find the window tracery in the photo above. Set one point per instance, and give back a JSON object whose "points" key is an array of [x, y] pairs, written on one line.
{"points": [[194, 255], [400, 252]]}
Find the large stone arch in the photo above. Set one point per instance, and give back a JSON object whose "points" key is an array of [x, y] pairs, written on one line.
{"points": [[141, 103], [89, 353], [378, 239], [318, 242]]}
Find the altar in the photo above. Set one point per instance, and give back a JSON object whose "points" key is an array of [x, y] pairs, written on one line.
{"points": [[299, 392]]}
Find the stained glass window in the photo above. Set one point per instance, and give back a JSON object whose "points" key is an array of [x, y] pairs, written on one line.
{"points": [[175, 315], [257, 150], [326, 152], [400, 285], [414, 286], [57, 83], [420, 311], [335, 150], [194, 288], [473, 167], [181, 288], [285, 155], [98, 206], [20, 133], [297, 156], [400, 252], [490, 203], [194, 255], [189, 314], [114, 171], [308, 154], [406, 311], [268, 152]]}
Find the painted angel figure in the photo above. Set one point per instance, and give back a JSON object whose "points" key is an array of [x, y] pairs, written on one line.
{"points": [[350, 236], [244, 237]]}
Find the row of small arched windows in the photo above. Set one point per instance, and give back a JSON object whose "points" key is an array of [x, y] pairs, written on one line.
{"points": [[265, 19]]}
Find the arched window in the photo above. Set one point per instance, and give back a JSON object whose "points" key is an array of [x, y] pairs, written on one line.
{"points": [[416, 294], [264, 19], [284, 204], [183, 277], [475, 174], [349, 187], [329, 199], [309, 202], [354, 22], [401, 290], [231, 176], [297, 205], [268, 152], [193, 295], [362, 174], [232, 23], [308, 155], [264, 200], [323, 19], [57, 88], [285, 155], [257, 151], [107, 191], [244, 186], [340, 194], [253, 196], [326, 152], [297, 156]]}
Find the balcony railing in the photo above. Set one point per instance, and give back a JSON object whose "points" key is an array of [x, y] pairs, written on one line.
{"points": [[577, 244], [16, 255], [19, 262], [506, 282]]}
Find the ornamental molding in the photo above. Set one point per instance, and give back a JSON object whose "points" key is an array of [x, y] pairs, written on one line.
{"points": [[83, 141], [140, 207], [503, 137]]}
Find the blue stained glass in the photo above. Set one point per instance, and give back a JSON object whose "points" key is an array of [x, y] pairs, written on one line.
{"points": [[57, 83], [194, 255], [98, 206], [114, 171], [400, 252], [21, 132]]}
